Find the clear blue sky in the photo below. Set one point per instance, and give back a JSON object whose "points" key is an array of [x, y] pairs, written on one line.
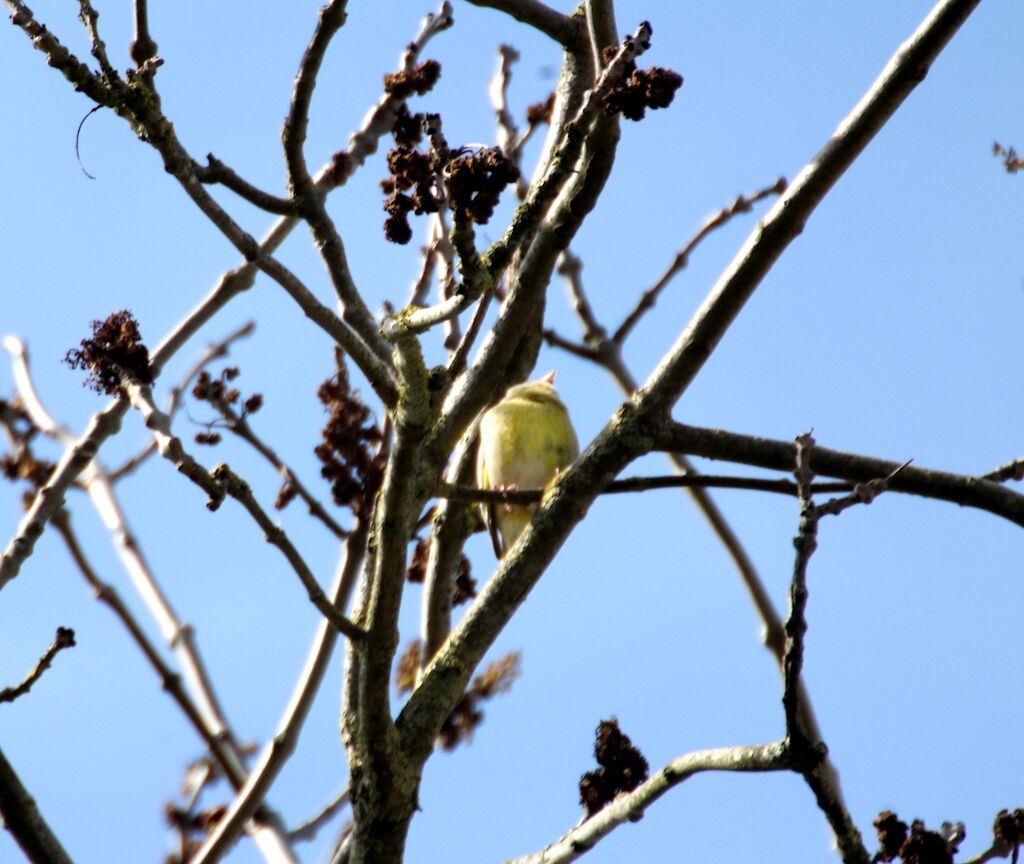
{"points": [[891, 326]]}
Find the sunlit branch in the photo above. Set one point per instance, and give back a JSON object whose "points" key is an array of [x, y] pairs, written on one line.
{"points": [[787, 218], [280, 748], [630, 806], [548, 21], [212, 352]]}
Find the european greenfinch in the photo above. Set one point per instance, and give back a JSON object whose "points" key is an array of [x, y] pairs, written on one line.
{"points": [[525, 441]]}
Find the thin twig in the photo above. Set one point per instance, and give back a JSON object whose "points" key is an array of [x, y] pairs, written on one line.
{"points": [[65, 638], [810, 753], [212, 352], [216, 171], [238, 489], [89, 18], [742, 204], [239, 425], [142, 47], [170, 446], [21, 817], [644, 484], [1010, 471], [308, 199], [311, 827]]}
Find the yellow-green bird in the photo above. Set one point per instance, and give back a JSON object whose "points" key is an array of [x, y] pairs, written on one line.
{"points": [[525, 441]]}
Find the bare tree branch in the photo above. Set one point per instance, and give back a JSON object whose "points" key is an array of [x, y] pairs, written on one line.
{"points": [[630, 806], [282, 745], [742, 204], [22, 818], [238, 489], [961, 489], [572, 494], [65, 638], [561, 28], [904, 71]]}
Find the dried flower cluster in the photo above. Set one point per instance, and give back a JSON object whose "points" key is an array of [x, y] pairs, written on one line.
{"points": [[410, 186], [475, 183], [352, 461], [115, 352], [540, 112], [467, 715], [21, 463], [219, 393], [419, 181], [408, 667], [639, 89], [464, 588], [419, 81], [1008, 830], [916, 844], [622, 768], [192, 829], [1012, 162]]}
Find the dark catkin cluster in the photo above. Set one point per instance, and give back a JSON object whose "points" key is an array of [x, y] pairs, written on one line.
{"points": [[418, 82], [639, 89], [475, 183], [21, 464], [623, 768], [467, 714], [1012, 162], [1008, 829], [351, 458], [916, 844], [472, 181], [464, 588], [410, 189], [115, 352], [540, 113], [226, 399], [410, 186], [892, 834], [925, 847]]}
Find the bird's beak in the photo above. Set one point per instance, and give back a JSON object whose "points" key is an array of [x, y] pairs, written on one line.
{"points": [[549, 378]]}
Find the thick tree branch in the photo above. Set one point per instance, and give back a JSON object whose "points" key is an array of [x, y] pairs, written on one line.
{"points": [[310, 199], [21, 817], [561, 28], [203, 708], [787, 218], [624, 437], [280, 748], [631, 806], [965, 490]]}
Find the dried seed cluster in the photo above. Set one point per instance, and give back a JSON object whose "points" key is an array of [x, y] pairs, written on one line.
{"points": [[622, 768], [639, 89], [352, 460], [114, 353]]}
